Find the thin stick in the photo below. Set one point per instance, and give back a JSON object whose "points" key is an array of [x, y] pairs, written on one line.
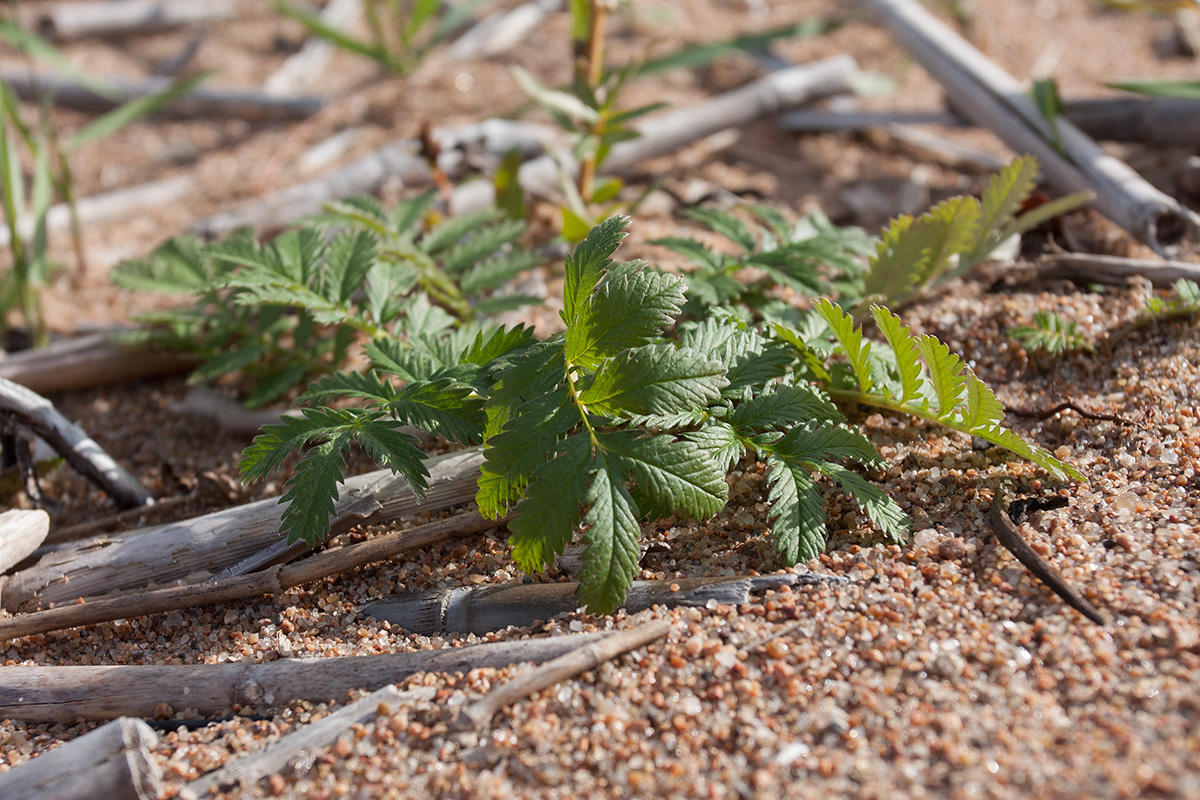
{"points": [[26, 409], [275, 757], [274, 580], [1009, 536], [1116, 270], [67, 694], [992, 98], [479, 714], [204, 102]]}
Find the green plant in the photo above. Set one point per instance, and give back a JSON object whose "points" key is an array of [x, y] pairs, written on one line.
{"points": [[921, 254], [1155, 87], [400, 33], [1050, 334], [813, 257], [289, 310], [25, 208], [1185, 302], [628, 414]]}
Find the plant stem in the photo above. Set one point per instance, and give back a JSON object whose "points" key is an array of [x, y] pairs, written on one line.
{"points": [[593, 74]]}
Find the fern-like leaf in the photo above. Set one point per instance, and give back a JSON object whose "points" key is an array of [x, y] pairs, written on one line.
{"points": [[856, 349], [797, 511]]}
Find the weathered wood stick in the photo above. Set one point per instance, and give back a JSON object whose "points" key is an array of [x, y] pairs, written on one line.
{"points": [[21, 532], [23, 408], [1153, 120], [67, 694], [666, 133], [300, 69], [276, 756], [1116, 270], [483, 609], [479, 714], [210, 101], [270, 581], [123, 17], [992, 98], [84, 362], [112, 762], [114, 205], [198, 547]]}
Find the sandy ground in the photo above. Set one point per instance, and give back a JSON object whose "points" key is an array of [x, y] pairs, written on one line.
{"points": [[942, 670]]}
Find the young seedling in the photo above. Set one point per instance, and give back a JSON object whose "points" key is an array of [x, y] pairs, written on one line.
{"points": [[1050, 334], [629, 414]]}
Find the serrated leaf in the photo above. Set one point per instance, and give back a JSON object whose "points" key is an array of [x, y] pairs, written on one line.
{"points": [[276, 382], [797, 511], [512, 455], [627, 310], [527, 375], [178, 266], [673, 476], [276, 442], [826, 440], [982, 407], [782, 406], [694, 251], [587, 264], [881, 509], [654, 379], [1011, 441], [853, 346], [349, 384], [442, 406], [452, 230], [547, 518], [725, 224], [945, 372], [311, 491], [611, 533], [350, 258], [498, 341], [904, 347], [1000, 202], [496, 271], [719, 441], [483, 242]]}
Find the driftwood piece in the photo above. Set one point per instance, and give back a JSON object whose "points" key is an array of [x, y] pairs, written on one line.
{"points": [[123, 17], [992, 98], [309, 739], [114, 205], [198, 547], [1152, 120], [483, 609], [592, 654], [112, 762], [66, 694], [21, 532], [666, 133], [87, 361], [21, 408], [308, 63], [270, 581], [203, 102], [1116, 270]]}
